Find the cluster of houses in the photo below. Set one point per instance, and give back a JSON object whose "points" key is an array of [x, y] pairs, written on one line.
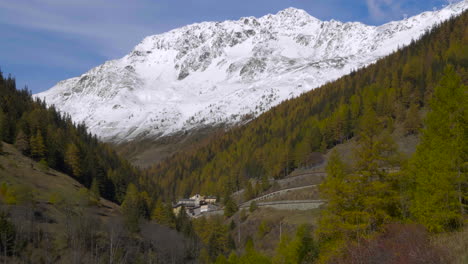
{"points": [[196, 205]]}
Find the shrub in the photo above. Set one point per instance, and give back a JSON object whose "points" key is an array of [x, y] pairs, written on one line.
{"points": [[43, 166], [253, 206], [399, 243], [16, 194], [56, 199], [243, 215], [263, 229]]}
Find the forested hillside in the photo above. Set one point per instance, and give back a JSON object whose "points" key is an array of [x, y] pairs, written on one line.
{"points": [[52, 139], [397, 88], [48, 217], [384, 207]]}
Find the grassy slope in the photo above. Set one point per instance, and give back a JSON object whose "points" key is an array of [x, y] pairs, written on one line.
{"points": [[45, 184]]}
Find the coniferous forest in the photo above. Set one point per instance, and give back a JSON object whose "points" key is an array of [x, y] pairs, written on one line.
{"points": [[49, 137], [381, 206]]}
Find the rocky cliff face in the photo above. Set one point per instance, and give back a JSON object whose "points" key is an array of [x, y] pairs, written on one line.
{"points": [[223, 72]]}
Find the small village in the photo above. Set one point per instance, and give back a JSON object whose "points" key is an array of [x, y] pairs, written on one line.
{"points": [[197, 206]]}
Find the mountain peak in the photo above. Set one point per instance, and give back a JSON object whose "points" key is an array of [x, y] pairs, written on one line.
{"points": [[293, 11], [295, 14], [223, 72]]}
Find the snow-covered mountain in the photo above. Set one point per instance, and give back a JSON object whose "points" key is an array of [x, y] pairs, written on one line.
{"points": [[222, 72]]}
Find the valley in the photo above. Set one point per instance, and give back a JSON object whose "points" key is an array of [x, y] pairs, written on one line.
{"points": [[281, 139]]}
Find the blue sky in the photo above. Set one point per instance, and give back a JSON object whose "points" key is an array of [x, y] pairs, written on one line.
{"points": [[45, 41]]}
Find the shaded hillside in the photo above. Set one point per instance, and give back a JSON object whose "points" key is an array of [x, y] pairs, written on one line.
{"points": [[397, 88], [48, 217]]}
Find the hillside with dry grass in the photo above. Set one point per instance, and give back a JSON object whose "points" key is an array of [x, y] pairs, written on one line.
{"points": [[48, 217]]}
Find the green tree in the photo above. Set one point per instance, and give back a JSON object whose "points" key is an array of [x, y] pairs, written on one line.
{"points": [[362, 200], [183, 223], [265, 183], [43, 166], [230, 207], [218, 239], [95, 192], [263, 229], [377, 155], [73, 159], [163, 215], [130, 208], [339, 193], [22, 142], [438, 169], [302, 150], [300, 249], [221, 259], [38, 149], [253, 206], [251, 256], [249, 192], [3, 126]]}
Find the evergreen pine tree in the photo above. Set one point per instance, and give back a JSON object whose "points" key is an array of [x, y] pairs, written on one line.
{"points": [[38, 148], [253, 206], [22, 142], [230, 207], [299, 249], [438, 169], [183, 223], [73, 159], [130, 208], [95, 192], [163, 215], [265, 183], [359, 202], [3, 126], [338, 191], [249, 192]]}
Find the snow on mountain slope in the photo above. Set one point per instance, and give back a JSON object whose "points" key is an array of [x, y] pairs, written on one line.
{"points": [[221, 72]]}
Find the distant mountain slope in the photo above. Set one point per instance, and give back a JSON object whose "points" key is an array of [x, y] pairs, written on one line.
{"points": [[397, 88], [226, 72]]}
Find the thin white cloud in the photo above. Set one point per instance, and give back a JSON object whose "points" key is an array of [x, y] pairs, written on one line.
{"points": [[81, 19], [381, 10]]}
